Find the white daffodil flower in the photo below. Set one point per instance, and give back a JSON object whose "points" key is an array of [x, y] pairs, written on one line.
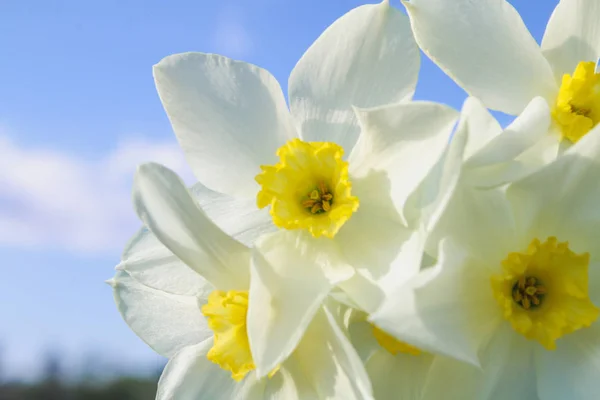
{"points": [[478, 151], [486, 48], [190, 301], [335, 198], [516, 288]]}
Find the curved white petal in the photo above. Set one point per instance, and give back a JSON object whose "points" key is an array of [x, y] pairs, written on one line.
{"points": [[523, 147], [529, 127], [329, 361], [366, 58], [571, 371], [480, 124], [562, 198], [148, 261], [486, 48], [572, 35], [167, 208], [399, 145], [400, 376], [447, 309], [189, 375], [238, 217], [288, 284], [166, 322], [230, 117]]}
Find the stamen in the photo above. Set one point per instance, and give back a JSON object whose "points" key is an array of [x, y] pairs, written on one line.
{"points": [[319, 200], [528, 292], [580, 110]]}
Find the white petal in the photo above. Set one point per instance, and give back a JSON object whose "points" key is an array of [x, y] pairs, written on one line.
{"points": [[448, 378], [189, 375], [428, 202], [447, 309], [240, 218], [148, 261], [486, 48], [562, 198], [508, 372], [522, 133], [366, 58], [399, 145], [480, 124], [330, 363], [571, 371], [500, 161], [543, 152], [361, 292], [167, 208], [401, 376], [287, 287], [229, 116], [572, 35], [290, 383], [478, 220], [166, 322], [509, 367], [384, 252], [360, 333]]}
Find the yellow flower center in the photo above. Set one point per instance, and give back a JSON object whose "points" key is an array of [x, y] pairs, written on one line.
{"points": [[577, 108], [543, 291], [393, 345], [309, 188], [226, 316]]}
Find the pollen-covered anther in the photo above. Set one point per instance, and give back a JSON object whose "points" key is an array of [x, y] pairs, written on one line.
{"points": [[528, 292], [319, 200]]}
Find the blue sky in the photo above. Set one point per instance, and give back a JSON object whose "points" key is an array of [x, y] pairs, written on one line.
{"points": [[78, 111]]}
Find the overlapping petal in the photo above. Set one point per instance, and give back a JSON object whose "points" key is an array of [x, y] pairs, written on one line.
{"points": [[562, 198], [237, 217], [148, 261], [486, 48], [190, 375], [447, 309], [572, 35], [399, 145], [166, 322], [366, 58], [330, 363], [167, 208], [289, 283]]}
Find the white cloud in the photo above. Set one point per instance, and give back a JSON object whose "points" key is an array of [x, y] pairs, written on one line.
{"points": [[230, 37], [53, 199]]}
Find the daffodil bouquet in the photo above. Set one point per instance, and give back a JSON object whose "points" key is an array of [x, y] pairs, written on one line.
{"points": [[352, 243]]}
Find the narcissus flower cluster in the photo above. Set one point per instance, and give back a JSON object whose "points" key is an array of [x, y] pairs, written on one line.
{"points": [[352, 243]]}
